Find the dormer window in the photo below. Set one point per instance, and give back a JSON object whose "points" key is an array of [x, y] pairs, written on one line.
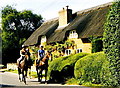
{"points": [[43, 39], [73, 34]]}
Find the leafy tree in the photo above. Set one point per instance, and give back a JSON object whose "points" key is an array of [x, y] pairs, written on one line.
{"points": [[0, 46], [97, 44], [17, 26], [111, 42]]}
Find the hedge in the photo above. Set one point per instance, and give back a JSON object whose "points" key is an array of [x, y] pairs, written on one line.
{"points": [[93, 68], [62, 68], [111, 41]]}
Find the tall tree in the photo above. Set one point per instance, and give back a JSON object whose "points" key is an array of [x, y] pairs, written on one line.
{"points": [[0, 46], [111, 42], [17, 26]]}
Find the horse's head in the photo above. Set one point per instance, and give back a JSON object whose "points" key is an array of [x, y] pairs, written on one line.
{"points": [[48, 55]]}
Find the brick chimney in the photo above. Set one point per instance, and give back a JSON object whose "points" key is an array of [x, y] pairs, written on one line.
{"points": [[65, 16]]}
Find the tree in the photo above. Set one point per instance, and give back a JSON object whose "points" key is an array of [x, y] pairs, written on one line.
{"points": [[0, 46], [17, 26], [111, 42], [97, 44]]}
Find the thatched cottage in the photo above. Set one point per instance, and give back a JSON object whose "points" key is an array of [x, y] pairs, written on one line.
{"points": [[77, 26]]}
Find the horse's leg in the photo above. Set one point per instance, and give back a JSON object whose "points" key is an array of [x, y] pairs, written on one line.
{"points": [[22, 72], [41, 74], [38, 73], [29, 72], [26, 70], [19, 72], [46, 75], [23, 76], [37, 69]]}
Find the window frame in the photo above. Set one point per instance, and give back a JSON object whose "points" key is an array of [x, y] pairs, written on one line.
{"points": [[73, 34], [78, 50], [68, 51]]}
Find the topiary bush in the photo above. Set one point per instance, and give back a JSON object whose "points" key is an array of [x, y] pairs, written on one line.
{"points": [[105, 74], [93, 68], [63, 68]]}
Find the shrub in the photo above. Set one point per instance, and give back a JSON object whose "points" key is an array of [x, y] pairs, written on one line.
{"points": [[111, 41], [62, 68], [105, 74], [97, 44], [93, 68]]}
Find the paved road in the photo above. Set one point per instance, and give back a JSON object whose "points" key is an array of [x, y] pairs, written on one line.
{"points": [[8, 79]]}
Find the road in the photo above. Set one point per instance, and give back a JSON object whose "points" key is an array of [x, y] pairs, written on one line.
{"points": [[8, 79]]}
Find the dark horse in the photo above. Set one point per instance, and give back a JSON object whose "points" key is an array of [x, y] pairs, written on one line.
{"points": [[42, 65], [23, 68]]}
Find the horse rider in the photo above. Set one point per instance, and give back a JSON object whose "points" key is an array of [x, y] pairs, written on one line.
{"points": [[41, 54], [27, 52], [23, 52]]}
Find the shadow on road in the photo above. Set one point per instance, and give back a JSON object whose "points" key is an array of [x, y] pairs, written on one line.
{"points": [[32, 81], [2, 85]]}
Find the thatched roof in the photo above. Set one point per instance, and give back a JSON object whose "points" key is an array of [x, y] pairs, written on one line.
{"points": [[47, 28], [87, 23]]}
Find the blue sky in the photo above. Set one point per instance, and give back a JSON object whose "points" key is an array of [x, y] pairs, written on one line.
{"points": [[49, 8]]}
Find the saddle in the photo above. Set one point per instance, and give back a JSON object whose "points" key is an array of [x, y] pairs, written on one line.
{"points": [[39, 62]]}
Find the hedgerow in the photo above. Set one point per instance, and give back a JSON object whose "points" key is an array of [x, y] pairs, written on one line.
{"points": [[62, 68], [93, 68]]}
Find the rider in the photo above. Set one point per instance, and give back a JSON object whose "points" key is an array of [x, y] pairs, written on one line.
{"points": [[22, 54], [41, 54], [28, 57], [27, 52]]}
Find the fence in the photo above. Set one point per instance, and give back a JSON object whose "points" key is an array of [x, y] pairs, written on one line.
{"points": [[11, 66]]}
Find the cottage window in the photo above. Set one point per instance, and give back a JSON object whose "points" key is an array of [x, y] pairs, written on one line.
{"points": [[68, 51], [43, 39], [79, 50], [73, 34]]}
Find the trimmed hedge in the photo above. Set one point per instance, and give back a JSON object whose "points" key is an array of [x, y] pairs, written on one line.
{"points": [[111, 41], [93, 68], [62, 68]]}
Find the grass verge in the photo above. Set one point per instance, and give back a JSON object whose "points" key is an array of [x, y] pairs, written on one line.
{"points": [[33, 74]]}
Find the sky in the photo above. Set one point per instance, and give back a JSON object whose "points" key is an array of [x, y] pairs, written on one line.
{"points": [[49, 8]]}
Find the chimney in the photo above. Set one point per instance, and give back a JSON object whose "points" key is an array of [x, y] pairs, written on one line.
{"points": [[65, 16]]}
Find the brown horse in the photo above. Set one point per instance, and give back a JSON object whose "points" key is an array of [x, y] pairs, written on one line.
{"points": [[43, 65], [23, 68]]}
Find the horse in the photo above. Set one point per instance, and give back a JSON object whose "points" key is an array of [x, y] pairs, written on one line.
{"points": [[43, 65], [23, 68]]}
